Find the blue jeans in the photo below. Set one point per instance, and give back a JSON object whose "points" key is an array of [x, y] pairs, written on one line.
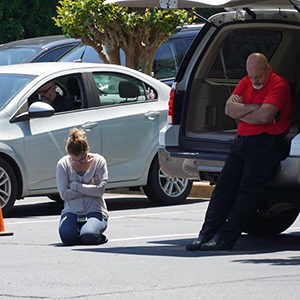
{"points": [[90, 232]]}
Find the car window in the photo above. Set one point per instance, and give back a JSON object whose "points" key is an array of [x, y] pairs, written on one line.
{"points": [[181, 45], [230, 61], [82, 53], [54, 54], [69, 93], [116, 89], [89, 55], [17, 55], [85, 53], [165, 61], [168, 57]]}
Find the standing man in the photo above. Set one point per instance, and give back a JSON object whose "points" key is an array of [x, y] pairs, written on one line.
{"points": [[261, 103]]}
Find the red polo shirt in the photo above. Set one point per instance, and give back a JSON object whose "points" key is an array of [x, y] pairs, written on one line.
{"points": [[275, 92]]}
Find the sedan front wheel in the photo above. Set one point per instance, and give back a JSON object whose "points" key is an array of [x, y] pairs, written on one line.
{"points": [[165, 190], [8, 187]]}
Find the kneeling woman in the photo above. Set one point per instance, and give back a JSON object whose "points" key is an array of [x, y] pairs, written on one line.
{"points": [[81, 178]]}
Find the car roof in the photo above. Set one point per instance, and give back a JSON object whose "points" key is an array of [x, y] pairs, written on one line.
{"points": [[44, 68], [38, 68], [41, 42]]}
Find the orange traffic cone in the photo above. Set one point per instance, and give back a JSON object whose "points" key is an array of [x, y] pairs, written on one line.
{"points": [[2, 228]]}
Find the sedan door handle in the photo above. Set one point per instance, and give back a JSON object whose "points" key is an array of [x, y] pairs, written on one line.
{"points": [[89, 126], [151, 115]]}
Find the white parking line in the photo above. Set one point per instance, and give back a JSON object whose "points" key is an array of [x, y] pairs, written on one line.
{"points": [[153, 237], [31, 222], [159, 213]]}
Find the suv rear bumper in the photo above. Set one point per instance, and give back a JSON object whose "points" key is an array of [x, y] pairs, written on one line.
{"points": [[207, 166], [190, 165]]}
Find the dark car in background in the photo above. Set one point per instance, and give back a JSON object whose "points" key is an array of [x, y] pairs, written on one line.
{"points": [[167, 57], [39, 49]]}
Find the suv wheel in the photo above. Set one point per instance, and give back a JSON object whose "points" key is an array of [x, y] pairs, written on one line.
{"points": [[269, 222], [8, 187], [165, 190]]}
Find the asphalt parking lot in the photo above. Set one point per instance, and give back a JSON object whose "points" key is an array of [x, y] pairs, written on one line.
{"points": [[144, 258]]}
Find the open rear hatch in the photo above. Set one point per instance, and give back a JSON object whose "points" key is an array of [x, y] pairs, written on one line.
{"points": [[175, 4], [219, 66]]}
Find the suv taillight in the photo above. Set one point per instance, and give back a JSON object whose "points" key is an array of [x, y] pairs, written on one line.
{"points": [[171, 106]]}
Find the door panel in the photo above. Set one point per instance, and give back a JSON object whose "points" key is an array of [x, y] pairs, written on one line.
{"points": [[46, 140], [128, 138], [130, 121]]}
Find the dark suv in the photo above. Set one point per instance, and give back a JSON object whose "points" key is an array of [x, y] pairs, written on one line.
{"points": [[167, 57], [195, 142], [38, 49]]}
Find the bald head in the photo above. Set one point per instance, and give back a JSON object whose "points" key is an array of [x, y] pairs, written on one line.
{"points": [[258, 69], [256, 61]]}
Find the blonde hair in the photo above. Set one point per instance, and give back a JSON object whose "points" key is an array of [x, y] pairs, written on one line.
{"points": [[77, 142]]}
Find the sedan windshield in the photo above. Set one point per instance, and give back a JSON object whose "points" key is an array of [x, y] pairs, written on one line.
{"points": [[10, 85]]}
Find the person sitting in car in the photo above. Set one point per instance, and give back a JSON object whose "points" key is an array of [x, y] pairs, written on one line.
{"points": [[48, 94]]}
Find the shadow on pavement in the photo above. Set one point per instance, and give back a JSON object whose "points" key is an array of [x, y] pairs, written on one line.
{"points": [[246, 245], [51, 208], [138, 202]]}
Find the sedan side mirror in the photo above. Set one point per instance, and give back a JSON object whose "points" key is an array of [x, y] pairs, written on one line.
{"points": [[36, 110]]}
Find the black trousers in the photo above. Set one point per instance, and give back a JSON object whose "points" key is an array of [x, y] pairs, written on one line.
{"points": [[250, 164]]}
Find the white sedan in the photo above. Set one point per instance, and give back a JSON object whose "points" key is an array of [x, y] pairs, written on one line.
{"points": [[121, 110]]}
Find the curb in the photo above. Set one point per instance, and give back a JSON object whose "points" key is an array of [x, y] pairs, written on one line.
{"points": [[201, 189]]}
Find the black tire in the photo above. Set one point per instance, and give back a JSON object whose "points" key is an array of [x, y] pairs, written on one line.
{"points": [[8, 187], [264, 224], [165, 190]]}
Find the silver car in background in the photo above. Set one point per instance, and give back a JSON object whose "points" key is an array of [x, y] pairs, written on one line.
{"points": [[121, 110]]}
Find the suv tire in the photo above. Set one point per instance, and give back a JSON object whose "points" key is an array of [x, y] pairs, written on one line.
{"points": [[264, 224]]}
